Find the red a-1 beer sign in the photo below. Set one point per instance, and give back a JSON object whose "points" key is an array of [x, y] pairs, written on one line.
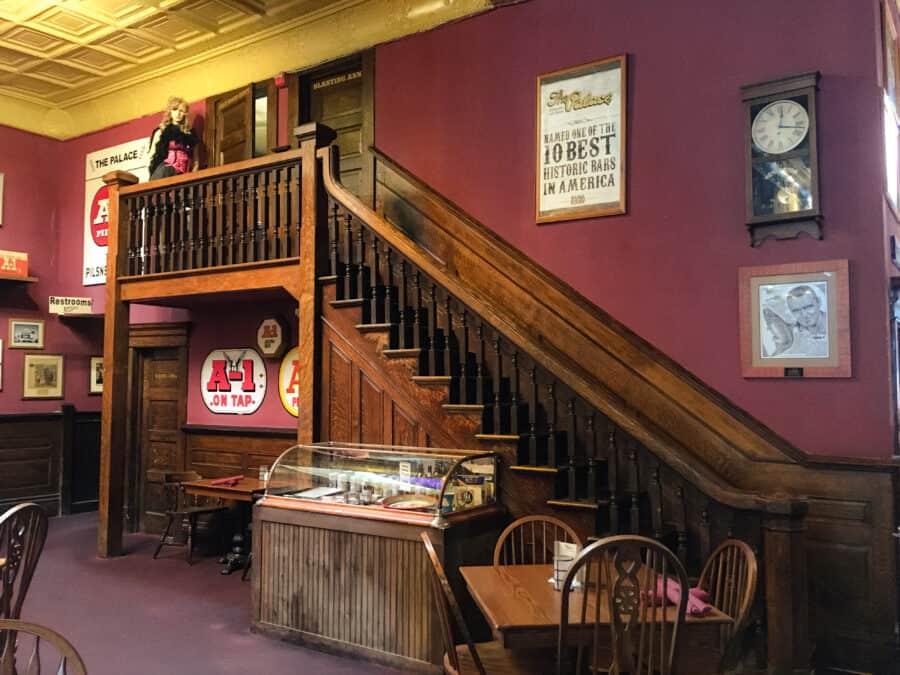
{"points": [[233, 381]]}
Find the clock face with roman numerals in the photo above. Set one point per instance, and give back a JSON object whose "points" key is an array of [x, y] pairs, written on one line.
{"points": [[780, 127]]}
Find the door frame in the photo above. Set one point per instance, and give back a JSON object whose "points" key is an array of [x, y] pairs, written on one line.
{"points": [[142, 339]]}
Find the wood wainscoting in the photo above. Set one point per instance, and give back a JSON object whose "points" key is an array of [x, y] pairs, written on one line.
{"points": [[214, 452], [51, 459]]}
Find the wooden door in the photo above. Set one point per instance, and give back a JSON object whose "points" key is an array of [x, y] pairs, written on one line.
{"points": [[341, 96], [230, 126], [162, 413]]}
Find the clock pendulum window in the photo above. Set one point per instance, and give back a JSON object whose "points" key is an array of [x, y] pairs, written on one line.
{"points": [[782, 182]]}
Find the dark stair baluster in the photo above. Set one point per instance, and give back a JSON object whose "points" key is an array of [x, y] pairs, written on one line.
{"points": [[402, 302], [432, 326], [360, 262], [464, 389], [273, 219], [418, 311], [571, 450], [283, 217], [181, 228], [389, 310], [374, 282], [498, 392], [681, 523], [293, 186], [552, 450], [217, 208], [171, 233], [134, 233], [202, 224], [533, 418], [150, 246], [241, 211], [448, 336], [634, 488], [656, 501], [705, 531], [593, 461], [191, 226], [480, 375], [612, 478], [333, 226], [349, 269], [514, 401]]}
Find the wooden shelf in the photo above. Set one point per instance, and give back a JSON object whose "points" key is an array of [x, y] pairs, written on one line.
{"points": [[21, 280], [81, 317]]}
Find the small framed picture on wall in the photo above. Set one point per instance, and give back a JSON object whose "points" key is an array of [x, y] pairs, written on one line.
{"points": [[795, 320], [96, 375], [26, 334], [43, 376]]}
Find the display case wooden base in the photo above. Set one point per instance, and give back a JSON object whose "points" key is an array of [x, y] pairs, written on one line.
{"points": [[355, 580]]}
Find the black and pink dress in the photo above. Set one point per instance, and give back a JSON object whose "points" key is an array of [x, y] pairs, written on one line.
{"points": [[173, 152]]}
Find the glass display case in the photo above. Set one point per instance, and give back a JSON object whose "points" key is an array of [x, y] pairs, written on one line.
{"points": [[423, 480]]}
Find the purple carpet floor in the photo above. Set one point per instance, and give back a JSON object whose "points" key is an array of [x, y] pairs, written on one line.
{"points": [[133, 615]]}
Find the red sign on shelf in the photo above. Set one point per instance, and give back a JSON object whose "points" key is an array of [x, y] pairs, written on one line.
{"points": [[13, 264]]}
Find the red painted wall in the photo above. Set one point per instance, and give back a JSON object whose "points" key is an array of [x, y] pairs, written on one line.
{"points": [[456, 106], [31, 223], [235, 328]]}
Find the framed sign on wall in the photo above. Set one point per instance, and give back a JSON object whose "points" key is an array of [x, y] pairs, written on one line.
{"points": [[581, 141], [795, 320]]}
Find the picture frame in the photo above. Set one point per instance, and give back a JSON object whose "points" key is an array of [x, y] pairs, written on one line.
{"points": [[26, 334], [795, 320], [43, 376], [95, 375], [581, 141]]}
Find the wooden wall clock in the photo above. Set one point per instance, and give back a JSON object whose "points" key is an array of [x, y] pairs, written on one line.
{"points": [[781, 148]]}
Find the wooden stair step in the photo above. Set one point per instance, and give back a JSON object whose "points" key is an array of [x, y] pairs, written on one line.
{"points": [[328, 279], [462, 408], [432, 380], [373, 327], [528, 468], [508, 438], [410, 353], [575, 504], [351, 302]]}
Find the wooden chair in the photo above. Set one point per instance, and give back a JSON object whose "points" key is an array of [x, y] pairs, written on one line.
{"points": [[729, 576], [11, 647], [490, 658], [185, 510], [620, 577], [23, 531], [529, 541]]}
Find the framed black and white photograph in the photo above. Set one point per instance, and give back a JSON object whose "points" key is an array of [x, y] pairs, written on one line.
{"points": [[26, 334], [581, 141], [43, 376], [96, 375], [795, 320]]}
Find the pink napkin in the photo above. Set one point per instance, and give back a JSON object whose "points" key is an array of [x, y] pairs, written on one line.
{"points": [[230, 481], [697, 598]]}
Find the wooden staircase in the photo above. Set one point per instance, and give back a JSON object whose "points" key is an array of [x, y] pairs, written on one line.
{"points": [[418, 326]]}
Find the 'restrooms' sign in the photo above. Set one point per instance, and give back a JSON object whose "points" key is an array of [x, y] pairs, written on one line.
{"points": [[233, 381]]}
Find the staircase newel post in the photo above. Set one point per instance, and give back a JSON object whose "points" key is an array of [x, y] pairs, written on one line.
{"points": [[786, 578], [113, 416], [313, 263]]}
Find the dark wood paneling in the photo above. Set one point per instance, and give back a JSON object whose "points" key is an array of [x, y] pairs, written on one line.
{"points": [[214, 452], [84, 468], [338, 394], [372, 401], [31, 449]]}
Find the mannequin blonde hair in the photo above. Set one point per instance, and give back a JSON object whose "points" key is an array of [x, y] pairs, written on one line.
{"points": [[176, 102]]}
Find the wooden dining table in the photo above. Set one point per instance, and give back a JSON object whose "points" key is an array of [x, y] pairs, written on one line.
{"points": [[523, 610], [246, 490]]}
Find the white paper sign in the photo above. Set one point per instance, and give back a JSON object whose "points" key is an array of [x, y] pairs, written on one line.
{"points": [[65, 305], [131, 157]]}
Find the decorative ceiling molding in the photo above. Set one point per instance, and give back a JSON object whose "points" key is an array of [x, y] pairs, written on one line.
{"points": [[71, 67]]}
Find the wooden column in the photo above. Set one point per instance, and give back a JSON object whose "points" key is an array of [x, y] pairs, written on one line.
{"points": [[787, 588], [313, 252], [113, 420]]}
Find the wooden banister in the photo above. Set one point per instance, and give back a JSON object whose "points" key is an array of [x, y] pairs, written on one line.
{"points": [[541, 326]]}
